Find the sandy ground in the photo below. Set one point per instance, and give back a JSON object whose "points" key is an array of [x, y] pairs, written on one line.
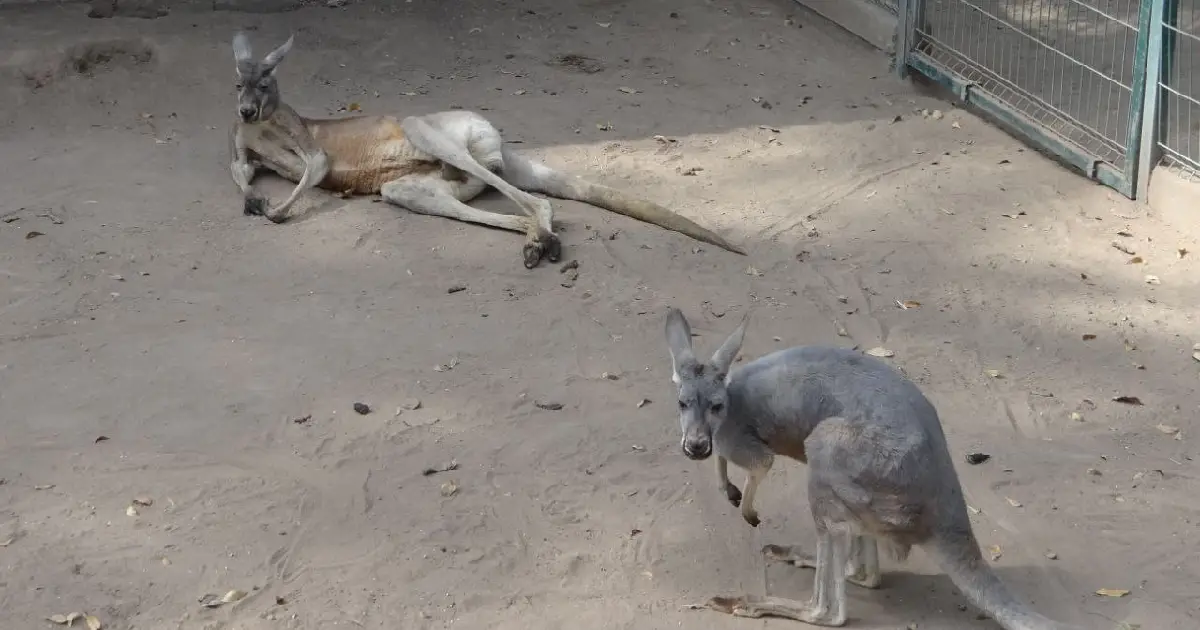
{"points": [[157, 345]]}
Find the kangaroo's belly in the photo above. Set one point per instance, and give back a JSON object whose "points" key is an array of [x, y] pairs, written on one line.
{"points": [[366, 152]]}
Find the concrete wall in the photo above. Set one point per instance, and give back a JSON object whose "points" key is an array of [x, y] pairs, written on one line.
{"points": [[866, 19]]}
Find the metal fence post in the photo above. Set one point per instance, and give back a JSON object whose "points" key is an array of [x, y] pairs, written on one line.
{"points": [[904, 32], [1152, 106], [1144, 101]]}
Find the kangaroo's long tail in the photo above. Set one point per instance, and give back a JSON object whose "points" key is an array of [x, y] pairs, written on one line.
{"points": [[532, 176], [959, 556]]}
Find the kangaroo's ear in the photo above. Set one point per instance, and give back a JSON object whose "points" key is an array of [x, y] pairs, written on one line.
{"points": [[275, 56], [242, 54], [679, 340], [723, 358]]}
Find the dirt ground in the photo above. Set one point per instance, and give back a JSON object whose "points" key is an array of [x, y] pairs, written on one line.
{"points": [[158, 346]]}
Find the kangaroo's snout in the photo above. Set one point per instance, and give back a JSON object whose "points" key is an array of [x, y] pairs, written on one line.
{"points": [[697, 448], [247, 112]]}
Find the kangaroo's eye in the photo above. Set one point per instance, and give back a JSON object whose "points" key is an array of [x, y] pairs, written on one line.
{"points": [[683, 404], [717, 407], [238, 85]]}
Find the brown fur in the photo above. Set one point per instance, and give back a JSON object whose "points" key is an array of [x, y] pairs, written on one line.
{"points": [[365, 152]]}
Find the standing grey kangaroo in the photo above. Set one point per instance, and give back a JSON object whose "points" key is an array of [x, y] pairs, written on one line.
{"points": [[431, 164], [879, 469]]}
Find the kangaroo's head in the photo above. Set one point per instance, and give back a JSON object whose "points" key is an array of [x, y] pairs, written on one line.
{"points": [[703, 399], [258, 91]]}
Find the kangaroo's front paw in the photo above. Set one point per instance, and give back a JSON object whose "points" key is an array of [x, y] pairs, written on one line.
{"points": [[752, 518], [733, 494], [254, 207]]}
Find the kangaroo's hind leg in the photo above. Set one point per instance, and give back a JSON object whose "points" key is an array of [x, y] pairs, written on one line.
{"points": [[863, 565], [426, 136], [430, 194], [827, 604]]}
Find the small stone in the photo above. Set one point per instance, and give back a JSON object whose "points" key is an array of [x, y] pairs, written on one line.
{"points": [[456, 288], [362, 408], [975, 459]]}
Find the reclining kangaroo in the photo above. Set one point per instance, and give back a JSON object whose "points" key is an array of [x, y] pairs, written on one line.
{"points": [[880, 472], [429, 164]]}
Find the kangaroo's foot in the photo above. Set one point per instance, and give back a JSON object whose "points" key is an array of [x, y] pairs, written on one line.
{"points": [[789, 554], [255, 206], [541, 244], [754, 606], [733, 494]]}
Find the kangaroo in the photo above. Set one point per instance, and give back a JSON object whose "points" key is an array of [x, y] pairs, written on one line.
{"points": [[880, 472], [431, 164]]}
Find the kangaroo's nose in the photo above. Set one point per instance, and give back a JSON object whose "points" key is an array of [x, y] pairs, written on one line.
{"points": [[697, 449], [247, 111]]}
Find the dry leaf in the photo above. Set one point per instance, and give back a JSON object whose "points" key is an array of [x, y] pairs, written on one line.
{"points": [[842, 332], [993, 373], [1112, 592], [907, 304], [1168, 429], [643, 402], [1013, 502], [1128, 400], [974, 510], [131, 511], [1136, 260], [143, 501], [995, 552], [449, 489], [1152, 279], [1182, 252], [1088, 336], [753, 271], [44, 486], [1122, 248], [233, 596], [520, 93], [93, 623], [6, 542], [1076, 416], [881, 352], [353, 107], [627, 90]]}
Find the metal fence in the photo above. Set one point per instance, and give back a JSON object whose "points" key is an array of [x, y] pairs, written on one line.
{"points": [[1109, 86], [891, 5], [1067, 74], [1176, 105]]}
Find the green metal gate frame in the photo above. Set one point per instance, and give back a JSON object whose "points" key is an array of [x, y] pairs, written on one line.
{"points": [[1142, 133]]}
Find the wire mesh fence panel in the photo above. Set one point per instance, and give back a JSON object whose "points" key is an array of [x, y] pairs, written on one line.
{"points": [[1179, 85], [890, 5], [1066, 65]]}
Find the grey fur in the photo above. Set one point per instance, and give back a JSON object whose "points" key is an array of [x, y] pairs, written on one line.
{"points": [[880, 471]]}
